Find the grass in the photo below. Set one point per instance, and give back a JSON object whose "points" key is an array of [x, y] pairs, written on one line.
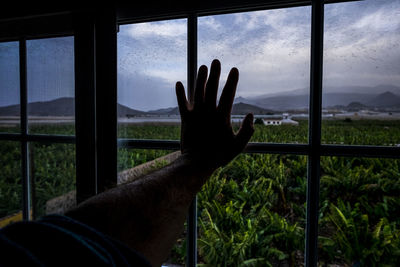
{"points": [[252, 212]]}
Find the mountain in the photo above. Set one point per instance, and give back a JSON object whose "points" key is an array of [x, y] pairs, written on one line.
{"points": [[350, 98], [280, 103], [332, 97], [355, 106], [64, 106], [12, 110], [250, 101], [243, 109], [124, 111], [237, 109], [165, 111], [370, 90], [386, 99], [59, 107]]}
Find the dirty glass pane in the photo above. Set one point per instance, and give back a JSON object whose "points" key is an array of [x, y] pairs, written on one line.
{"points": [[9, 87], [132, 165], [271, 49], [359, 217], [151, 59], [53, 170], [10, 182], [254, 211], [51, 85], [361, 86]]}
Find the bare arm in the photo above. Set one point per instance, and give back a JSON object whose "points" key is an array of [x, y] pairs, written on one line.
{"points": [[148, 214]]}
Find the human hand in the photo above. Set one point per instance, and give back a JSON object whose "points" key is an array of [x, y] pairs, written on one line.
{"points": [[206, 131]]}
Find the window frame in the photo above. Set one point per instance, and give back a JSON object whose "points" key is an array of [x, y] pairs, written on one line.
{"points": [[24, 137], [95, 139], [314, 149]]}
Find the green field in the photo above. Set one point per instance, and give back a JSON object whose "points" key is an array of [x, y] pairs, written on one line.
{"points": [[252, 212]]}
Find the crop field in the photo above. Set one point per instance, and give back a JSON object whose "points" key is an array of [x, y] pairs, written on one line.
{"points": [[252, 212]]}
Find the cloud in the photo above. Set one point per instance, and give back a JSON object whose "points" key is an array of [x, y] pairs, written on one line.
{"points": [[145, 93], [362, 43], [272, 48], [270, 57], [210, 23], [170, 28], [378, 20]]}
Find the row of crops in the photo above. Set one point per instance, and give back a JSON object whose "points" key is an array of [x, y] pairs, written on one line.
{"points": [[252, 212]]}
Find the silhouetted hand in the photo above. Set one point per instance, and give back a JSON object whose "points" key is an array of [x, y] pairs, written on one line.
{"points": [[206, 131]]}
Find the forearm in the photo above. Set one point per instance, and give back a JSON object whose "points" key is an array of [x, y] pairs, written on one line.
{"points": [[147, 214]]}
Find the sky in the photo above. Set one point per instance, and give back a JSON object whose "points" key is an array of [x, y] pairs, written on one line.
{"points": [[270, 48]]}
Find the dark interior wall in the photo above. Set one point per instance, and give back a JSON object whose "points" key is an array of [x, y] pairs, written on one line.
{"points": [[125, 9], [38, 19]]}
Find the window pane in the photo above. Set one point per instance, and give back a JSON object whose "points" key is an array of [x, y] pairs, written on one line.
{"points": [[271, 49], [359, 212], [134, 163], [253, 211], [151, 59], [10, 182], [9, 87], [53, 171], [361, 93], [51, 88]]}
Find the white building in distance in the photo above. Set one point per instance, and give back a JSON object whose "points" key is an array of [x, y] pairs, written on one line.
{"points": [[286, 120]]}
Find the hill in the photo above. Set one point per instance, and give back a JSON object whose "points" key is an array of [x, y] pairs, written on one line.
{"points": [[279, 103], [355, 106], [370, 97], [243, 109], [237, 109], [369, 90], [124, 111], [164, 111], [262, 105], [60, 107], [386, 99]]}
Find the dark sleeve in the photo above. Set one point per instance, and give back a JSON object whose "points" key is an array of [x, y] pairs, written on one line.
{"points": [[57, 240]]}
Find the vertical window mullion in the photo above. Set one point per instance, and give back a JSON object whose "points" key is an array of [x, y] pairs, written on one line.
{"points": [[313, 172], [106, 97], [85, 113], [26, 205], [191, 249]]}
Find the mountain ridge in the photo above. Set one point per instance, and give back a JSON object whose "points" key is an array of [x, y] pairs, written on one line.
{"points": [[384, 100]]}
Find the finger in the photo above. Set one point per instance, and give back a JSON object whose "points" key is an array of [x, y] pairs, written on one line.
{"points": [[245, 133], [199, 89], [210, 98], [181, 97], [228, 94]]}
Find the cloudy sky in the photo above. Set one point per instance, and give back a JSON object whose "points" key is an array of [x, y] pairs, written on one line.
{"points": [[271, 49]]}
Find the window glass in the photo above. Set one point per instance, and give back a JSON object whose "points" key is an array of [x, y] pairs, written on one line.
{"points": [[10, 182], [361, 86], [271, 49], [134, 163], [53, 170], [151, 59], [51, 85], [252, 212], [9, 87], [359, 212]]}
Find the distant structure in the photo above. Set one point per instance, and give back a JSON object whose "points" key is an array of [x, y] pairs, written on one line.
{"points": [[286, 120], [272, 122]]}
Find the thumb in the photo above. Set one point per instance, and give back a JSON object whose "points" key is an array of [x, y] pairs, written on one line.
{"points": [[245, 133]]}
